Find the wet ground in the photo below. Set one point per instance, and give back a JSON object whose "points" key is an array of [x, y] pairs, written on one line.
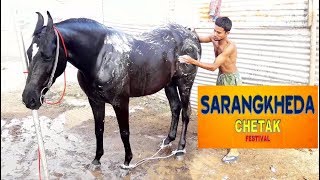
{"points": [[69, 139]]}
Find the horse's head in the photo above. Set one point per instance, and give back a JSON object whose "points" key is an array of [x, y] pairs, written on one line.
{"points": [[41, 54]]}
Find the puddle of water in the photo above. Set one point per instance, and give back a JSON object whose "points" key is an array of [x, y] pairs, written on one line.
{"points": [[20, 149], [68, 154]]}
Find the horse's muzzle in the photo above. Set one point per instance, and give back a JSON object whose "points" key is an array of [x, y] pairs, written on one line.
{"points": [[31, 100]]}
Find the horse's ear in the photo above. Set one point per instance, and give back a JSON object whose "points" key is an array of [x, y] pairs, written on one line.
{"points": [[50, 22], [39, 24]]}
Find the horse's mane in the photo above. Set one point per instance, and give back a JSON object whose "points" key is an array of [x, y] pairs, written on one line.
{"points": [[82, 23], [78, 20]]}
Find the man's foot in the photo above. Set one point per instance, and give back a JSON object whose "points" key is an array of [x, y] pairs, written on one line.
{"points": [[230, 159]]}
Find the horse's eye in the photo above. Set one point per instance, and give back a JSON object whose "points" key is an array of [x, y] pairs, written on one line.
{"points": [[45, 57]]}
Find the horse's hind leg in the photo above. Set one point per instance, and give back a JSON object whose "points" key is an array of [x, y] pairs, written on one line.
{"points": [[98, 109], [122, 113], [175, 106], [185, 85]]}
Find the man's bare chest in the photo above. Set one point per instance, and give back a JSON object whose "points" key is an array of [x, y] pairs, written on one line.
{"points": [[218, 50]]}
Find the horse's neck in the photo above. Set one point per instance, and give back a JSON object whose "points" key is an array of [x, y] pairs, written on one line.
{"points": [[81, 48]]}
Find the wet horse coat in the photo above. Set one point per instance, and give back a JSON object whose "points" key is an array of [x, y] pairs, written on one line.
{"points": [[114, 66]]}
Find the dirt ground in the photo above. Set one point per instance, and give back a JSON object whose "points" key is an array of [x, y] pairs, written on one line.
{"points": [[68, 131]]}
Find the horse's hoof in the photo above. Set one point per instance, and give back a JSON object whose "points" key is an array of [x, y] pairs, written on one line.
{"points": [[126, 167], [180, 156], [165, 143], [123, 173], [93, 167], [96, 162]]}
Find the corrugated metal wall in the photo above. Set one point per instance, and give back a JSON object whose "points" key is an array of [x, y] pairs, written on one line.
{"points": [[272, 38]]}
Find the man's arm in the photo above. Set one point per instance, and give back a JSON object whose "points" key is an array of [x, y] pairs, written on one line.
{"points": [[205, 39], [208, 66]]}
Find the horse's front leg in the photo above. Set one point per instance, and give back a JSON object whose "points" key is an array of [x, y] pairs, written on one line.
{"points": [[98, 109], [122, 113]]}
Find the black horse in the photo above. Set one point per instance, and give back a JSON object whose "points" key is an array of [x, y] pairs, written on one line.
{"points": [[112, 67]]}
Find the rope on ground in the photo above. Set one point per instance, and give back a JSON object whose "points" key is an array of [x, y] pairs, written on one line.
{"points": [[153, 156]]}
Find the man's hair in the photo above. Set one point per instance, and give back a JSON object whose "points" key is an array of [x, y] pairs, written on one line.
{"points": [[224, 22]]}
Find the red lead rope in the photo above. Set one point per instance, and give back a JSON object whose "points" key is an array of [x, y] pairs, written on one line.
{"points": [[62, 41], [66, 54], [39, 167], [63, 92]]}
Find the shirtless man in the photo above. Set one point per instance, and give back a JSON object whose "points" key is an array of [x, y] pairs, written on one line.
{"points": [[226, 57]]}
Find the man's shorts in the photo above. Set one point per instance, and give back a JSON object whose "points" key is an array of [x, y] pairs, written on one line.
{"points": [[229, 79]]}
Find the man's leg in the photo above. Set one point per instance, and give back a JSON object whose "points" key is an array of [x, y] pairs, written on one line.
{"points": [[233, 80]]}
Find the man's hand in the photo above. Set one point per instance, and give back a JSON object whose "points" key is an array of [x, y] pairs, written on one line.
{"points": [[185, 59]]}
